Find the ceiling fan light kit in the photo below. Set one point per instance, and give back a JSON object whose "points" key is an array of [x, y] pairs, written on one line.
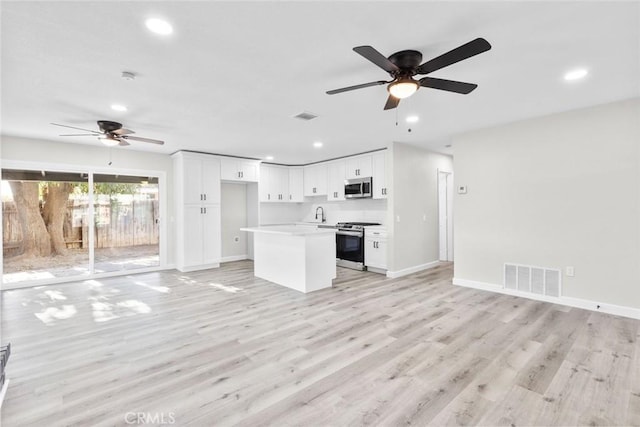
{"points": [[403, 65], [403, 88]]}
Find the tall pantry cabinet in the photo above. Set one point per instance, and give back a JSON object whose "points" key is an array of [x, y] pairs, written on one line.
{"points": [[197, 211]]}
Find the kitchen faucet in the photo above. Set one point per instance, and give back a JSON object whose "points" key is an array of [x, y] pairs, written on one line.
{"points": [[321, 213]]}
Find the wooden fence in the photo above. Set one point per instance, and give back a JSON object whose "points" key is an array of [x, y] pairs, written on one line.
{"points": [[116, 224]]}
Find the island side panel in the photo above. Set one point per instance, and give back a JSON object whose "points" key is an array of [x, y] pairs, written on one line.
{"points": [[280, 258], [321, 261]]}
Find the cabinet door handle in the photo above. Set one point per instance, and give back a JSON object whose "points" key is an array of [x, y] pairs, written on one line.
{"points": [[205, 196], [314, 189], [289, 196], [200, 210], [205, 210], [268, 196], [200, 197], [241, 174]]}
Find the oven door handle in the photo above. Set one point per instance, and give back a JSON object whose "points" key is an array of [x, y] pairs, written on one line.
{"points": [[349, 233]]}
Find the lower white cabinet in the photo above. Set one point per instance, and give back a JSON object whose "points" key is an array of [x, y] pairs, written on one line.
{"points": [[375, 249], [201, 237]]}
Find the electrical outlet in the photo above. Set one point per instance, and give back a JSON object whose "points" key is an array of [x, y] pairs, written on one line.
{"points": [[236, 239], [570, 271]]}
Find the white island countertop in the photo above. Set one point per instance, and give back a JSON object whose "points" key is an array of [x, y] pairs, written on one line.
{"points": [[290, 230]]}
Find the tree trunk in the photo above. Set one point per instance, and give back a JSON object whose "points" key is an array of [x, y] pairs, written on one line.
{"points": [[56, 197], [35, 238]]}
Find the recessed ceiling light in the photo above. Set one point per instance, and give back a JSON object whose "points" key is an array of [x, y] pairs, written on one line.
{"points": [[576, 74], [118, 107], [269, 158], [159, 26], [412, 119], [317, 144]]}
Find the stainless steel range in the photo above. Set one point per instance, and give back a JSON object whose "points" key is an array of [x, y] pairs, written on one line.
{"points": [[350, 244]]}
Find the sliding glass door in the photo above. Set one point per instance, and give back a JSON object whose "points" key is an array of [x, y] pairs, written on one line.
{"points": [[60, 225], [127, 234]]}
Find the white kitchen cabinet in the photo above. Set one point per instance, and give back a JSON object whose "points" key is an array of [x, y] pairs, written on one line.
{"points": [[335, 180], [274, 183], [375, 249], [202, 237], [358, 166], [234, 169], [296, 185], [197, 211], [379, 176], [201, 180], [315, 180]]}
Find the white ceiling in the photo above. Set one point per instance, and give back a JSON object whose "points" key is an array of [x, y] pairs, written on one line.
{"points": [[233, 74]]}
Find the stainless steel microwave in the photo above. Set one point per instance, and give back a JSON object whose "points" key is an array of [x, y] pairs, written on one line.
{"points": [[358, 188]]}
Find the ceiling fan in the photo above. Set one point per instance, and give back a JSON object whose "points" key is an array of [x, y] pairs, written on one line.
{"points": [[403, 65], [111, 134]]}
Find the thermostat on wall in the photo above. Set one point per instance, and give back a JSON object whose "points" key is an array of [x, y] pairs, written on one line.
{"points": [[462, 189]]}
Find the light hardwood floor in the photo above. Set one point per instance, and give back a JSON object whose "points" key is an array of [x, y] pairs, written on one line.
{"points": [[220, 347]]}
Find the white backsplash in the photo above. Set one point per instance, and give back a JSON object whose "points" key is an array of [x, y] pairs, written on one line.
{"points": [[366, 210]]}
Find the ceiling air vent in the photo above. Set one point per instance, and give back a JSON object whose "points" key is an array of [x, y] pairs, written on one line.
{"points": [[305, 115]]}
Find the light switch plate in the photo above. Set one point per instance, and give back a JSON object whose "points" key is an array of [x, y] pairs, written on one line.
{"points": [[462, 189]]}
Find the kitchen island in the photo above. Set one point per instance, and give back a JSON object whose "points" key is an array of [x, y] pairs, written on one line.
{"points": [[296, 256]]}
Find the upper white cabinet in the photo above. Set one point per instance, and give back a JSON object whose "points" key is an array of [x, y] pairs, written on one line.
{"points": [[296, 185], [358, 166], [200, 181], [335, 180], [379, 175], [315, 180], [274, 183], [233, 169]]}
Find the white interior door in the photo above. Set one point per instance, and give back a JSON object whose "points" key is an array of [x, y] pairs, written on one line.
{"points": [[445, 219]]}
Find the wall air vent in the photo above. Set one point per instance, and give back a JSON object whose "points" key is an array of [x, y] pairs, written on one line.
{"points": [[532, 280], [305, 115]]}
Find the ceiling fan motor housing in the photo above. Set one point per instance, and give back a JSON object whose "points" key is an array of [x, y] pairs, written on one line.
{"points": [[108, 126], [407, 61]]}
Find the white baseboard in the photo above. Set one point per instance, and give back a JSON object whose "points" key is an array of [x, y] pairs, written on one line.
{"points": [[189, 269], [233, 258], [410, 270], [618, 310]]}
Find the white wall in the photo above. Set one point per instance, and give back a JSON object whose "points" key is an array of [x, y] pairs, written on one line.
{"points": [[413, 198], [555, 191], [233, 204], [84, 156]]}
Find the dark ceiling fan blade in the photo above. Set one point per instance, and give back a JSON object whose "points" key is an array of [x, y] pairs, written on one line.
{"points": [[467, 50], [73, 127], [345, 89], [80, 134], [448, 85], [376, 57], [392, 102], [137, 138], [122, 131]]}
